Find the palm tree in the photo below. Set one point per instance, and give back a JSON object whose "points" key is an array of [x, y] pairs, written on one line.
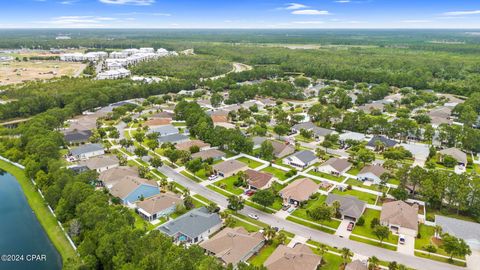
{"points": [[402, 267], [438, 231], [346, 255], [373, 263], [322, 248], [281, 238], [171, 186], [164, 183], [336, 208], [269, 233]]}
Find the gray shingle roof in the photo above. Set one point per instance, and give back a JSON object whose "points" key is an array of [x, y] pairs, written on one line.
{"points": [[87, 148], [349, 205], [172, 138], [305, 156], [192, 224], [467, 230], [165, 130], [388, 142]]}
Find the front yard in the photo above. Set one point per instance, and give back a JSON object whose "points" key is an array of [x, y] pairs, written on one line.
{"points": [[366, 231], [280, 174], [327, 176], [301, 212], [228, 185], [364, 196], [250, 162]]}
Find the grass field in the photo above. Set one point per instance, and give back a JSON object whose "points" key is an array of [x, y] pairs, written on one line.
{"points": [[262, 255], [366, 231], [280, 174], [46, 219], [228, 184], [366, 197], [302, 212], [250, 162], [17, 72], [327, 176]]}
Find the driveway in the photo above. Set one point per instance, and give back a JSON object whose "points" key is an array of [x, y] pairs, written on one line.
{"points": [[309, 233], [409, 246], [342, 229]]}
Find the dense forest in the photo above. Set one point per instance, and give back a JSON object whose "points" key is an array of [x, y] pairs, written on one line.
{"points": [[184, 67]]}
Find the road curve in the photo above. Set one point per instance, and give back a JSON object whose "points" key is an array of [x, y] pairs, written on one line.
{"points": [[319, 236]]}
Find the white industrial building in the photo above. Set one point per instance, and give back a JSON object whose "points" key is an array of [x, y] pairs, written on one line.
{"points": [[113, 74]]}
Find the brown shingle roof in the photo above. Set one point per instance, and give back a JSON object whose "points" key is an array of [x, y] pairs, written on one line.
{"points": [[400, 213], [258, 179], [375, 169], [99, 162], [300, 257], [338, 164], [219, 118], [186, 145], [159, 202], [210, 153], [300, 190], [112, 176], [229, 166], [280, 148], [356, 265], [456, 153], [127, 184], [158, 122], [233, 245]]}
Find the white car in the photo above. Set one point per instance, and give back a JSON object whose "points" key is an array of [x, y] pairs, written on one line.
{"points": [[253, 216], [401, 239], [212, 177]]}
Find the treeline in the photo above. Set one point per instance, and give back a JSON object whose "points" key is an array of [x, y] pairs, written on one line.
{"points": [[201, 126], [183, 67], [105, 233], [79, 94]]}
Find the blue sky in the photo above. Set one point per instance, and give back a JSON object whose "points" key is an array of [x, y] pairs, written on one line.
{"points": [[239, 14]]}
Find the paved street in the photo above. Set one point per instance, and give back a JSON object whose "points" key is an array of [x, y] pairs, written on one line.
{"points": [[297, 229]]}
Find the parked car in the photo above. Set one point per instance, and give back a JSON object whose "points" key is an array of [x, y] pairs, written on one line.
{"points": [[286, 207], [253, 216], [401, 239], [212, 177], [249, 192], [350, 226]]}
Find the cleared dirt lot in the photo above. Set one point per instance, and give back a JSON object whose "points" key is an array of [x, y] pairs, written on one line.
{"points": [[16, 72]]}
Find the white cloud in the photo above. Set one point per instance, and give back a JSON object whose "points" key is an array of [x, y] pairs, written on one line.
{"points": [[461, 13], [293, 6], [310, 12], [144, 13], [78, 21], [415, 21], [343, 1], [129, 2], [308, 22], [68, 2]]}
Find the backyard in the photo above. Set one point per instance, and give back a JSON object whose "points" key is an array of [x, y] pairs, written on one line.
{"points": [[364, 196], [280, 174], [250, 162]]}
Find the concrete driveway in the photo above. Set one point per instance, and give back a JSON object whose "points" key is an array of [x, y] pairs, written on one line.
{"points": [[408, 247], [342, 229]]}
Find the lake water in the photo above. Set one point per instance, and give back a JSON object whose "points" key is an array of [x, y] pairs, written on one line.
{"points": [[20, 232]]}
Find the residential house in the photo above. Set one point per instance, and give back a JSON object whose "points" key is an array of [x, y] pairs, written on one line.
{"points": [[319, 133], [156, 122], [210, 153], [400, 217], [298, 191], [192, 227], [173, 138], [229, 167], [87, 151], [234, 245], [386, 142], [131, 188], [298, 257], [335, 166], [352, 136], [100, 163], [466, 230], [158, 206], [356, 265], [187, 145], [111, 176], [77, 136], [371, 173], [165, 130], [301, 159], [258, 180], [282, 149], [257, 141], [456, 153], [350, 207], [370, 107]]}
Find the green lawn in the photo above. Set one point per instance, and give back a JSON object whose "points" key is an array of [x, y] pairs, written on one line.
{"points": [[310, 225], [373, 243], [259, 207], [201, 198], [366, 231], [280, 174], [262, 255], [354, 170], [358, 183], [46, 219], [331, 262], [366, 197], [228, 185], [219, 190], [426, 233], [300, 138], [193, 178], [302, 212], [327, 176], [250, 162], [440, 259]]}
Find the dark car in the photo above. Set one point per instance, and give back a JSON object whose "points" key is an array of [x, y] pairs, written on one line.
{"points": [[350, 226]]}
